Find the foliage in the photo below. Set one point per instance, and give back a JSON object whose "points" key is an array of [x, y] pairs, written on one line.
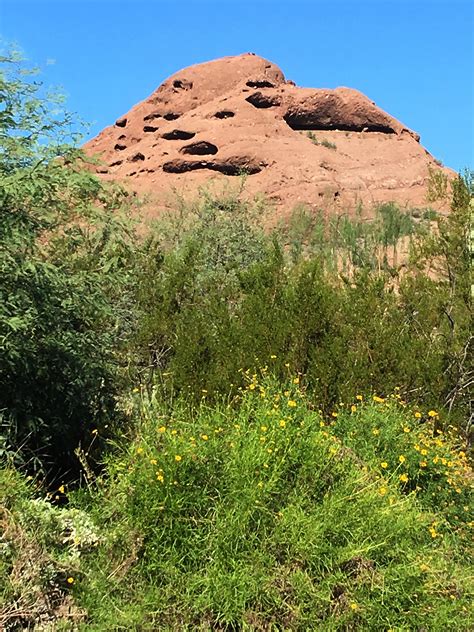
{"points": [[438, 185], [324, 143], [274, 514], [355, 330], [41, 547], [360, 240], [61, 289], [325, 485], [445, 253]]}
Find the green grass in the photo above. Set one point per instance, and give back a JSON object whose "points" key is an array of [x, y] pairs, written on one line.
{"points": [[324, 143], [261, 512]]}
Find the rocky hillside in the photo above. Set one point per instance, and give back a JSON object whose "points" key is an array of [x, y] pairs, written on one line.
{"points": [[325, 148]]}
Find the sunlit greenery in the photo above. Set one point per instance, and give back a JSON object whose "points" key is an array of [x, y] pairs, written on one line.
{"points": [[211, 425]]}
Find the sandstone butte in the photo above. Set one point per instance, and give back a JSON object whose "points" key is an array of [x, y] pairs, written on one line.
{"points": [[327, 149]]}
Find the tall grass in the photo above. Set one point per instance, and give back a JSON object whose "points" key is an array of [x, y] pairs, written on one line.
{"points": [[265, 512]]}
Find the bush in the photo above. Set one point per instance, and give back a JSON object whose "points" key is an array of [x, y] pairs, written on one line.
{"points": [[365, 332], [62, 290], [269, 513]]}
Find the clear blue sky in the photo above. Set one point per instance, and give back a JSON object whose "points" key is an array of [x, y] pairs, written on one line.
{"points": [[414, 58]]}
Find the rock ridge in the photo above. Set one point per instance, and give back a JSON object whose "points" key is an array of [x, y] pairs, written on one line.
{"points": [[325, 148]]}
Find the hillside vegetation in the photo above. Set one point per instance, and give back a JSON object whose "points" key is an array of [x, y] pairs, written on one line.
{"points": [[210, 426]]}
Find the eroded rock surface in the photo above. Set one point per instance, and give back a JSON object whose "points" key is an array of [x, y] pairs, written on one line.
{"points": [[320, 147]]}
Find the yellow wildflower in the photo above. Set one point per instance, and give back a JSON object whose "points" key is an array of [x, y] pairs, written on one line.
{"points": [[353, 408], [273, 357], [418, 415], [401, 458], [375, 432], [423, 463], [70, 580], [296, 380], [204, 437], [178, 458], [433, 413], [291, 403], [406, 429], [382, 491], [162, 429], [159, 477], [359, 397], [403, 478], [378, 400], [252, 386], [384, 464], [354, 606], [153, 461], [263, 428], [139, 450], [334, 414], [433, 532], [282, 423]]}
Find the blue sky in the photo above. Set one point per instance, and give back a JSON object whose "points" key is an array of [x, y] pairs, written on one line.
{"points": [[414, 58]]}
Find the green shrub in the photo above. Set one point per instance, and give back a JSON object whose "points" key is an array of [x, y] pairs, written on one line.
{"points": [[63, 311], [270, 514]]}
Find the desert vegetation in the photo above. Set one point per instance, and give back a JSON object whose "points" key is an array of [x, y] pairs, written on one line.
{"points": [[206, 425]]}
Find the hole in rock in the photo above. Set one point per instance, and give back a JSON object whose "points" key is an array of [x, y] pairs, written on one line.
{"points": [[152, 116], [314, 121], [200, 148], [223, 114], [150, 128], [264, 83], [136, 157], [259, 100], [230, 168], [182, 84], [122, 137], [121, 122], [178, 134], [171, 116], [116, 163], [119, 147]]}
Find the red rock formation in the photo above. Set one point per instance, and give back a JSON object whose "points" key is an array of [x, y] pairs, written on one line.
{"points": [[325, 148]]}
